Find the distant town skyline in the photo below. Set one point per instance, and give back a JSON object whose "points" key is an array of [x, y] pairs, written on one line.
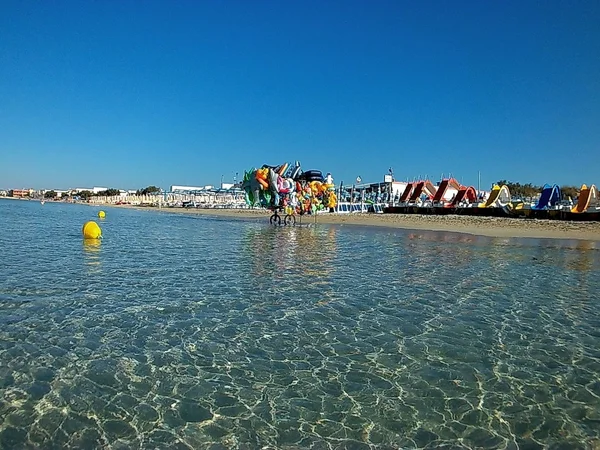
{"points": [[127, 94], [96, 189]]}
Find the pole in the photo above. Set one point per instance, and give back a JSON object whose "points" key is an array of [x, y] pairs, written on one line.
{"points": [[479, 183], [362, 199]]}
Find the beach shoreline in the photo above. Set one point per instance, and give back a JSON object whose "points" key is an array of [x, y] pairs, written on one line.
{"points": [[478, 226]]}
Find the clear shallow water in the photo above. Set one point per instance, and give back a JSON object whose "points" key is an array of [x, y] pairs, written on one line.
{"points": [[192, 332]]}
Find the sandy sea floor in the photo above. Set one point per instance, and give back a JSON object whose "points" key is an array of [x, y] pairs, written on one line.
{"points": [[481, 226], [183, 331]]}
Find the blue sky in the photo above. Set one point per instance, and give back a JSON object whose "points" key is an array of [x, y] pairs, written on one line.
{"points": [[127, 94]]}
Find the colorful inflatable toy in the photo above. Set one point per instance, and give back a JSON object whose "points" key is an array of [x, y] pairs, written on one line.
{"points": [[287, 188]]}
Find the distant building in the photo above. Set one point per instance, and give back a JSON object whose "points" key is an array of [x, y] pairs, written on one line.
{"points": [[59, 193], [94, 190], [20, 193], [190, 188], [227, 185]]}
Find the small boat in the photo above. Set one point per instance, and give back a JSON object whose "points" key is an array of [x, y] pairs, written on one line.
{"points": [[42, 202]]}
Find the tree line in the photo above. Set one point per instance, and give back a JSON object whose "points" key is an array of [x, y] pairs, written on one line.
{"points": [[149, 190], [530, 190], [86, 195]]}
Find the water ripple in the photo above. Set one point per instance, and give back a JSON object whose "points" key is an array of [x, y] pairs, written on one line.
{"points": [[193, 332]]}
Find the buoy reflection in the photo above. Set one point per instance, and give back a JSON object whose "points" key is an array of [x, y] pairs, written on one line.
{"points": [[91, 254], [92, 245]]}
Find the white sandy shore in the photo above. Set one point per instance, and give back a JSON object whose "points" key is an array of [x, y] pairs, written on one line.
{"points": [[480, 226]]}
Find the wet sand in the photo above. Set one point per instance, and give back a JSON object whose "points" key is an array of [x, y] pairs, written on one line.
{"points": [[480, 226]]}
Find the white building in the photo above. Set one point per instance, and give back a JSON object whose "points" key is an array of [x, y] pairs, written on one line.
{"points": [[184, 189], [398, 188], [94, 190]]}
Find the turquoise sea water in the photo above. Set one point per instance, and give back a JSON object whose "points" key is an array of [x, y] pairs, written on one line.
{"points": [[181, 332]]}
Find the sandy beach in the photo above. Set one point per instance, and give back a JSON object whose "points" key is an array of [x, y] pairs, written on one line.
{"points": [[480, 226]]}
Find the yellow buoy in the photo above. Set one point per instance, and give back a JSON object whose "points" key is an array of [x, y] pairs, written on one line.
{"points": [[91, 230], [101, 214]]}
